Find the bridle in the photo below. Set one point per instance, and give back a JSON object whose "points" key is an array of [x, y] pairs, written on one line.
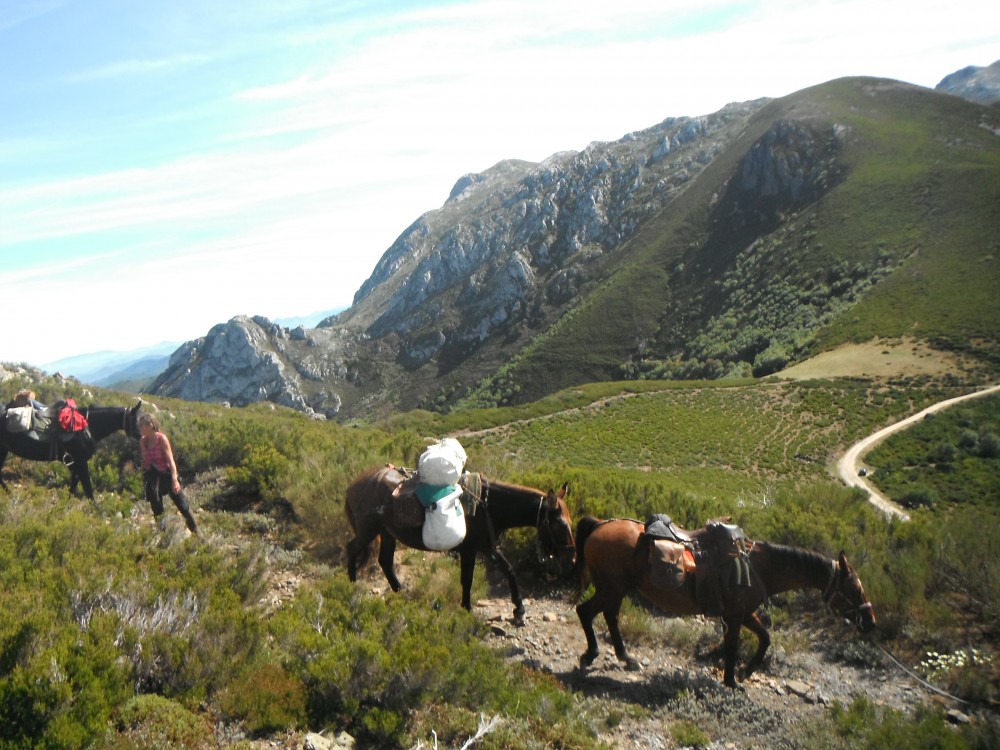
{"points": [[834, 593], [542, 522]]}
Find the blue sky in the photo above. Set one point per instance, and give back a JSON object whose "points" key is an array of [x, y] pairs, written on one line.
{"points": [[168, 164]]}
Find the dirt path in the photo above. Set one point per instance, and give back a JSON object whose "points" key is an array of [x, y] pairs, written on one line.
{"points": [[847, 466], [811, 665]]}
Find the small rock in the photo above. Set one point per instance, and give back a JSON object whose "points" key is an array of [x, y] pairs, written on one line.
{"points": [[550, 617], [797, 687], [342, 741], [957, 717]]}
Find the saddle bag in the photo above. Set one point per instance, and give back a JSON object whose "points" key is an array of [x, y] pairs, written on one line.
{"points": [[442, 464], [19, 419], [669, 564], [71, 420], [444, 522], [407, 510]]}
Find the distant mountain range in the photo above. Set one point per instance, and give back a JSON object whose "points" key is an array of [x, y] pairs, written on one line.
{"points": [[131, 370], [726, 245]]}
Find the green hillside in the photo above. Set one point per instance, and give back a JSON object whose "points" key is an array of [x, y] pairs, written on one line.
{"points": [[117, 634], [887, 228]]}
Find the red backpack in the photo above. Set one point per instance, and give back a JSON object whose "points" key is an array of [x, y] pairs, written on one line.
{"points": [[71, 420]]}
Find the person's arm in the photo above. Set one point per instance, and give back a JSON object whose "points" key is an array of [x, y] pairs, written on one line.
{"points": [[169, 453]]}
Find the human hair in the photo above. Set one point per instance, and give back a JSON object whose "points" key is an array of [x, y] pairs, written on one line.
{"points": [[150, 419]]}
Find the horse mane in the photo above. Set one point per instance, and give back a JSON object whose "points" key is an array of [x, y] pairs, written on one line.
{"points": [[814, 563], [510, 487]]}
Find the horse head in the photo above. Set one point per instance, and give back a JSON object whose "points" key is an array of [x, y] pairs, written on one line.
{"points": [[131, 423], [555, 530], [846, 596]]}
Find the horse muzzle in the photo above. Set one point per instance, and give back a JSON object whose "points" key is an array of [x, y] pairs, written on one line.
{"points": [[866, 619]]}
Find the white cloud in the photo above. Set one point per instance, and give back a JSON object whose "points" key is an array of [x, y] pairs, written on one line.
{"points": [[323, 136]]}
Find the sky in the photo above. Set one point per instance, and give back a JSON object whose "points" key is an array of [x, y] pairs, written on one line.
{"points": [[166, 165]]}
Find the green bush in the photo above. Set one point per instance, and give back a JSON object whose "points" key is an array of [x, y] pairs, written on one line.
{"points": [[151, 722], [259, 471], [865, 725], [266, 698]]}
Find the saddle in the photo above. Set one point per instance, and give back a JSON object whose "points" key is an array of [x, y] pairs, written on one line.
{"points": [[715, 554]]}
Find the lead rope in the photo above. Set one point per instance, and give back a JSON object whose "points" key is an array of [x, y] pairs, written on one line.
{"points": [[538, 531], [915, 676], [489, 519]]}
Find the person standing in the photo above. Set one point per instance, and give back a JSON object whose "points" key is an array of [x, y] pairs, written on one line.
{"points": [[159, 470]]}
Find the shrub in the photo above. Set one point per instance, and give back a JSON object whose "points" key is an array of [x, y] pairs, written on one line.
{"points": [[989, 445], [265, 698], [152, 722], [259, 471], [922, 498]]}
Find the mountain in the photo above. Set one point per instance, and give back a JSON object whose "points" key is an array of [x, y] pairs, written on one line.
{"points": [[725, 245], [133, 370], [103, 368], [975, 83]]}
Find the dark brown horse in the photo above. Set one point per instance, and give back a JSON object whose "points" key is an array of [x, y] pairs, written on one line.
{"points": [[500, 506], [73, 449], [614, 555]]}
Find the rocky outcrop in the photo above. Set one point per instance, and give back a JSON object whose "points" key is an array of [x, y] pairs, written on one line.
{"points": [[252, 359], [975, 83], [523, 237]]}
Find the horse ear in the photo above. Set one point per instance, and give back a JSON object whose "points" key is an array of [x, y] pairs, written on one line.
{"points": [[563, 491], [551, 500], [842, 558]]}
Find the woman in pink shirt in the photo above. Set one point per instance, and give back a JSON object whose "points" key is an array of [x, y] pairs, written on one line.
{"points": [[159, 471]]}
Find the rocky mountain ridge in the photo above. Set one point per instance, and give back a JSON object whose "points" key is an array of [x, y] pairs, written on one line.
{"points": [[699, 247], [976, 83], [508, 246]]}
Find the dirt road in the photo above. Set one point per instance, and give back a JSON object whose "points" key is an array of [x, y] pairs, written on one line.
{"points": [[847, 466]]}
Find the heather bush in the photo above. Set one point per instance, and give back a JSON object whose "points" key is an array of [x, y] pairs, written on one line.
{"points": [[151, 722], [265, 698]]}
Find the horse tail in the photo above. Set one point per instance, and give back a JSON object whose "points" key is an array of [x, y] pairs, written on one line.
{"points": [[584, 528]]}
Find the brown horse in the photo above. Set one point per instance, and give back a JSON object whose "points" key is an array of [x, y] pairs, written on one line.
{"points": [[614, 555], [500, 506]]}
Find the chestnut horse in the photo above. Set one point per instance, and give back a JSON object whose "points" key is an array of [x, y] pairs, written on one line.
{"points": [[500, 506], [613, 554]]}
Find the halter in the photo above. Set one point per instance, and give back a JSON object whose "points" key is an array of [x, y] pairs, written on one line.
{"points": [[538, 529], [831, 593]]}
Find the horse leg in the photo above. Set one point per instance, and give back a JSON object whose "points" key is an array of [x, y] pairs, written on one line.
{"points": [[730, 648], [3, 460], [515, 592], [587, 611], [357, 556], [611, 617], [81, 469], [755, 626], [386, 553], [467, 559]]}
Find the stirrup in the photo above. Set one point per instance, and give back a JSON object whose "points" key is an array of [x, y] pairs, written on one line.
{"points": [[67, 460]]}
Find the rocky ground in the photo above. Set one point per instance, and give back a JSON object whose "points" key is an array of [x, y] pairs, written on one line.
{"points": [[680, 683]]}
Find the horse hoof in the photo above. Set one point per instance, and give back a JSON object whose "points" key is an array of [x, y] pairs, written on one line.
{"points": [[631, 665]]}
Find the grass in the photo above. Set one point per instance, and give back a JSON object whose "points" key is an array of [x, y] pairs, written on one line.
{"points": [[102, 612]]}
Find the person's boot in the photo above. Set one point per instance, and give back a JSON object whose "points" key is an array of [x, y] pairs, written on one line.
{"points": [[189, 520]]}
